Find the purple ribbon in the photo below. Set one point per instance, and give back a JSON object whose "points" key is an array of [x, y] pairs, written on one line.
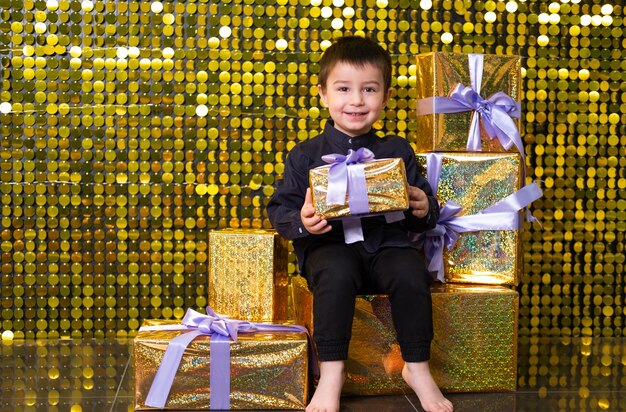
{"points": [[221, 329], [347, 176], [503, 215], [495, 113]]}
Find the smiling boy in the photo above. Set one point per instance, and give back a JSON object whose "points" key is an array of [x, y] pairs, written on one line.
{"points": [[355, 84]]}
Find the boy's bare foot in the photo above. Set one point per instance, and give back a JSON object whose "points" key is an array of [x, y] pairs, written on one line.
{"points": [[328, 391], [417, 376]]}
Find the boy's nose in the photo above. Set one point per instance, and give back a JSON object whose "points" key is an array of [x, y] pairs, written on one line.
{"points": [[357, 98]]}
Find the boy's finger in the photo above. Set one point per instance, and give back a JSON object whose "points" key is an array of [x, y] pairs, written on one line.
{"points": [[415, 193], [309, 217], [419, 212], [321, 227], [308, 199], [327, 228], [417, 204], [305, 215]]}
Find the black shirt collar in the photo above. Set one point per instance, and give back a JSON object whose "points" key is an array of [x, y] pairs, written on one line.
{"points": [[345, 142]]}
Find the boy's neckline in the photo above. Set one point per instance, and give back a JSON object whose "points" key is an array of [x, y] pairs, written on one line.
{"points": [[331, 123], [346, 141]]}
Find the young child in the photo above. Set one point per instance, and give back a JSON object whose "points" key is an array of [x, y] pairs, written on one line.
{"points": [[354, 84]]}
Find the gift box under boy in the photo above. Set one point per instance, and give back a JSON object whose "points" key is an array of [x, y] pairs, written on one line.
{"points": [[354, 84]]}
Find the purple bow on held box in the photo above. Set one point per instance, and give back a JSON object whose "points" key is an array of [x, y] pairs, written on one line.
{"points": [[358, 185], [496, 114], [501, 216], [220, 330]]}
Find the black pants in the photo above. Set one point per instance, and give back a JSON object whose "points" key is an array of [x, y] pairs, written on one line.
{"points": [[337, 272]]}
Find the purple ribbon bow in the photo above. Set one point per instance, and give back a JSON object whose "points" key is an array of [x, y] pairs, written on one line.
{"points": [[221, 329], [503, 215], [495, 113], [347, 176]]}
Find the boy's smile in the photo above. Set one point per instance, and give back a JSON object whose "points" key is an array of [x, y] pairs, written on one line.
{"points": [[355, 96]]}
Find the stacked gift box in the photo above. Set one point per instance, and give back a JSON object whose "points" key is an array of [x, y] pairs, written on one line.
{"points": [[470, 150], [248, 356]]}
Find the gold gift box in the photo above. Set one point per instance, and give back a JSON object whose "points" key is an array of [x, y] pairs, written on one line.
{"points": [[387, 189], [476, 181], [248, 274], [474, 347], [438, 73], [267, 370]]}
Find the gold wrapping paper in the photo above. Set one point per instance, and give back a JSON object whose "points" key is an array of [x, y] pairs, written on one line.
{"points": [[248, 274], [475, 343], [267, 370], [476, 181], [437, 74], [474, 347], [386, 187]]}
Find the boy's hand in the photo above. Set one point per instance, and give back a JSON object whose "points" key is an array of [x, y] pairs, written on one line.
{"points": [[312, 222], [418, 201]]}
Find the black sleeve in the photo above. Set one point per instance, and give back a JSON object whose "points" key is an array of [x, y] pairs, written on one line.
{"points": [[284, 207]]}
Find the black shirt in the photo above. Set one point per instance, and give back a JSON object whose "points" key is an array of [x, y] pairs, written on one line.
{"points": [[284, 207]]}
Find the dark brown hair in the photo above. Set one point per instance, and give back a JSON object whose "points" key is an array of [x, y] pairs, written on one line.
{"points": [[356, 51]]}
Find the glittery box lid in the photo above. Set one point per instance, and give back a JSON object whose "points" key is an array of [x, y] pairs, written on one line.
{"points": [[476, 181], [474, 347], [387, 188], [248, 274], [438, 73], [267, 370]]}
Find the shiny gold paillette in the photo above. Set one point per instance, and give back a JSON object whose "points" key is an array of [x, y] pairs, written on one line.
{"points": [[248, 274], [267, 370], [386, 188], [474, 347], [437, 75], [476, 181]]}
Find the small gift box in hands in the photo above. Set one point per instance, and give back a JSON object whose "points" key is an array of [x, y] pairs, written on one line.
{"points": [[358, 185]]}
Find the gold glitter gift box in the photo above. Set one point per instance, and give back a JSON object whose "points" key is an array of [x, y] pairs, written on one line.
{"points": [[476, 181], [474, 347], [438, 73], [267, 370], [386, 189], [248, 274]]}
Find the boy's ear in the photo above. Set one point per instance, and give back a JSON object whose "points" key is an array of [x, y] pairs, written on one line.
{"points": [[389, 94], [320, 91]]}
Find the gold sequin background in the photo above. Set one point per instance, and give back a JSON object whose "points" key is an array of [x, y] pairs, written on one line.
{"points": [[130, 129]]}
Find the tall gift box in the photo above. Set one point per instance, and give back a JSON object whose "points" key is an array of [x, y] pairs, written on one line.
{"points": [[476, 181], [267, 370], [248, 274], [474, 347], [439, 74]]}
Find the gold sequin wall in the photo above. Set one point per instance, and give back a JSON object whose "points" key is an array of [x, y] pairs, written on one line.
{"points": [[130, 129]]}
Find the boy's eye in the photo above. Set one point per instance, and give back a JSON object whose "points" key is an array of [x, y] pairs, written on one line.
{"points": [[342, 89], [370, 90]]}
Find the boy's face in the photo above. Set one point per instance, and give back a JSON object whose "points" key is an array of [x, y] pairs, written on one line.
{"points": [[355, 96]]}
